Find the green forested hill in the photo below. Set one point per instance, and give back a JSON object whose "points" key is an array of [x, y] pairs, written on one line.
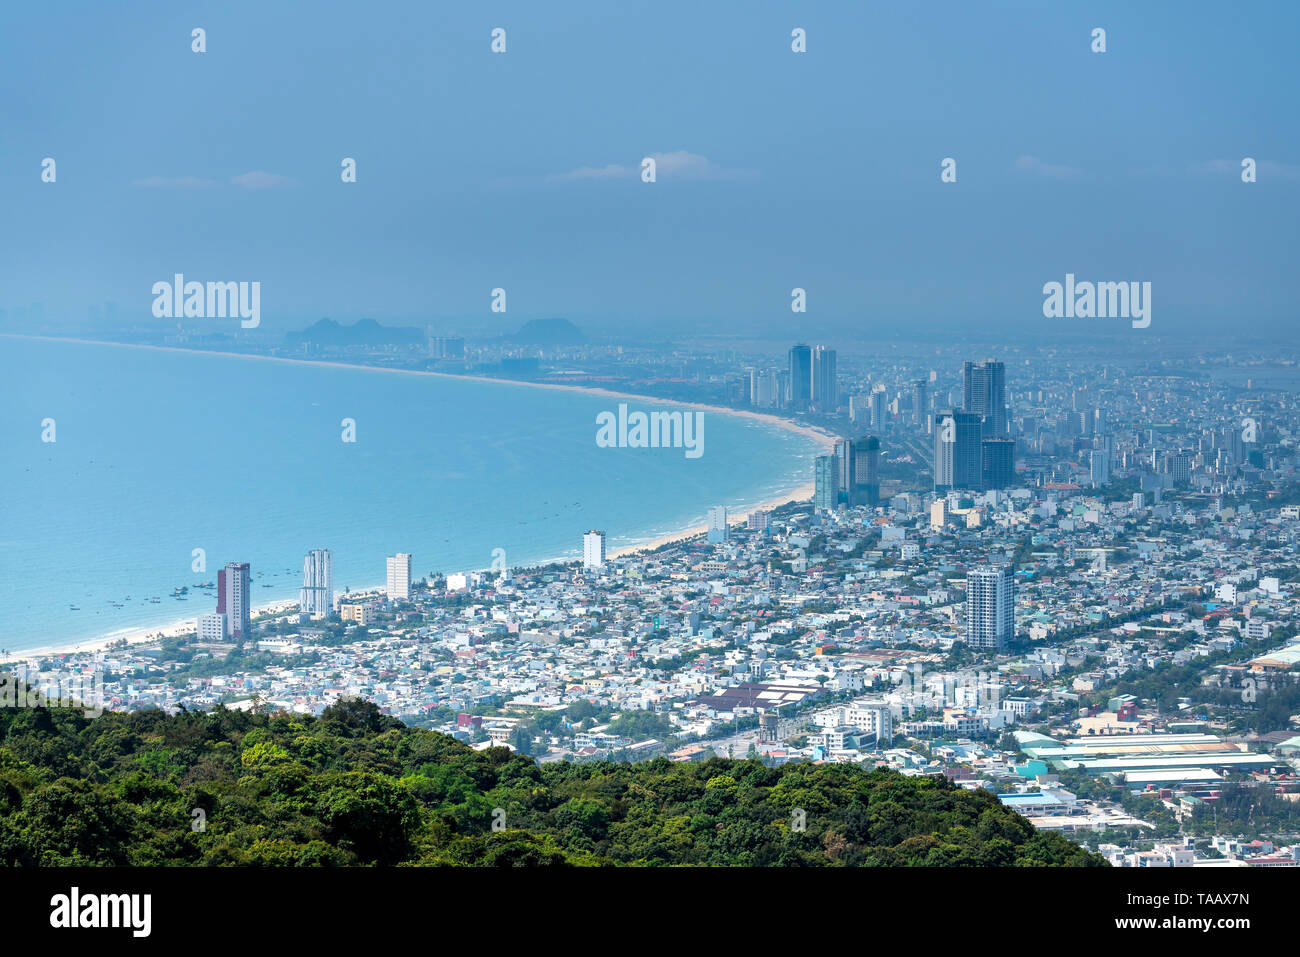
{"points": [[356, 787]]}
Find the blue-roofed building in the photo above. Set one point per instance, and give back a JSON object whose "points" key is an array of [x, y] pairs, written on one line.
{"points": [[1031, 769], [1047, 801]]}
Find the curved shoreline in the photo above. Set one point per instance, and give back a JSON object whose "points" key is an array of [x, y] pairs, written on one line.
{"points": [[813, 432], [145, 634]]}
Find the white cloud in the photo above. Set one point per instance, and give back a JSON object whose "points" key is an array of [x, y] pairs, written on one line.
{"points": [[1264, 168], [175, 182], [612, 171], [1036, 167], [679, 164], [258, 179], [1274, 168]]}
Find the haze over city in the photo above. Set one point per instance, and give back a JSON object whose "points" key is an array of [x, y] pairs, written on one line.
{"points": [[777, 170]]}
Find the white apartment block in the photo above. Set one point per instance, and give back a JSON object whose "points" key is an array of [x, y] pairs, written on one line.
{"points": [[871, 718], [399, 577], [212, 627], [593, 549]]}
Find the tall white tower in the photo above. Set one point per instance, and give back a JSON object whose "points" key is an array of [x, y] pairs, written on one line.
{"points": [[717, 528], [990, 606], [593, 549], [317, 596], [399, 577]]}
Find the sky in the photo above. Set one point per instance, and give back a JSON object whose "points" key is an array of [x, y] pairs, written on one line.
{"points": [[520, 170]]}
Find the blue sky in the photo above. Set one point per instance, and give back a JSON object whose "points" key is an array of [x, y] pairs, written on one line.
{"points": [[818, 170]]}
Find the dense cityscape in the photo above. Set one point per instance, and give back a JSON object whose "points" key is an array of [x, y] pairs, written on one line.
{"points": [[1070, 585], [553, 456]]}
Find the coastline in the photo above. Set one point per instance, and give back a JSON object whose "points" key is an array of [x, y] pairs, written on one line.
{"points": [[826, 439], [132, 636], [152, 633]]}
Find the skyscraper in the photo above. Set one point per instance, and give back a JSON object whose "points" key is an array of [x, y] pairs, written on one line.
{"points": [[446, 347], [800, 376], [879, 404], [399, 576], [593, 549], [717, 528], [317, 595], [985, 392], [997, 463], [825, 386], [1099, 468], [920, 401], [1101, 460], [234, 588], [825, 482], [860, 408], [957, 462], [866, 471], [1178, 466], [846, 472], [990, 607]]}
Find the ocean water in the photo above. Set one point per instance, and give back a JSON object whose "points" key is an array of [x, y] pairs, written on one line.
{"points": [[159, 453]]}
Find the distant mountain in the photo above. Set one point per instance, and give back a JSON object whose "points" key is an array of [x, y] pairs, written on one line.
{"points": [[547, 332], [364, 332]]}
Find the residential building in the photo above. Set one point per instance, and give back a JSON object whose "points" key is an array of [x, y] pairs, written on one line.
{"points": [[990, 606], [593, 549], [317, 595], [399, 577]]}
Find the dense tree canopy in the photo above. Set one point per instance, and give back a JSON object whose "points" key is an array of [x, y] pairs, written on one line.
{"points": [[356, 787]]}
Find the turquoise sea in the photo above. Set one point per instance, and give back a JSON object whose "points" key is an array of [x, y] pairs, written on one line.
{"points": [[158, 453]]}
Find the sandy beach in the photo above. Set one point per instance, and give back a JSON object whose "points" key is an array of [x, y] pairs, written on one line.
{"points": [[132, 636], [801, 494], [154, 633]]}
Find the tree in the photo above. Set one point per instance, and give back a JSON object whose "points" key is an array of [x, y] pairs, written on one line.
{"points": [[356, 787]]}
